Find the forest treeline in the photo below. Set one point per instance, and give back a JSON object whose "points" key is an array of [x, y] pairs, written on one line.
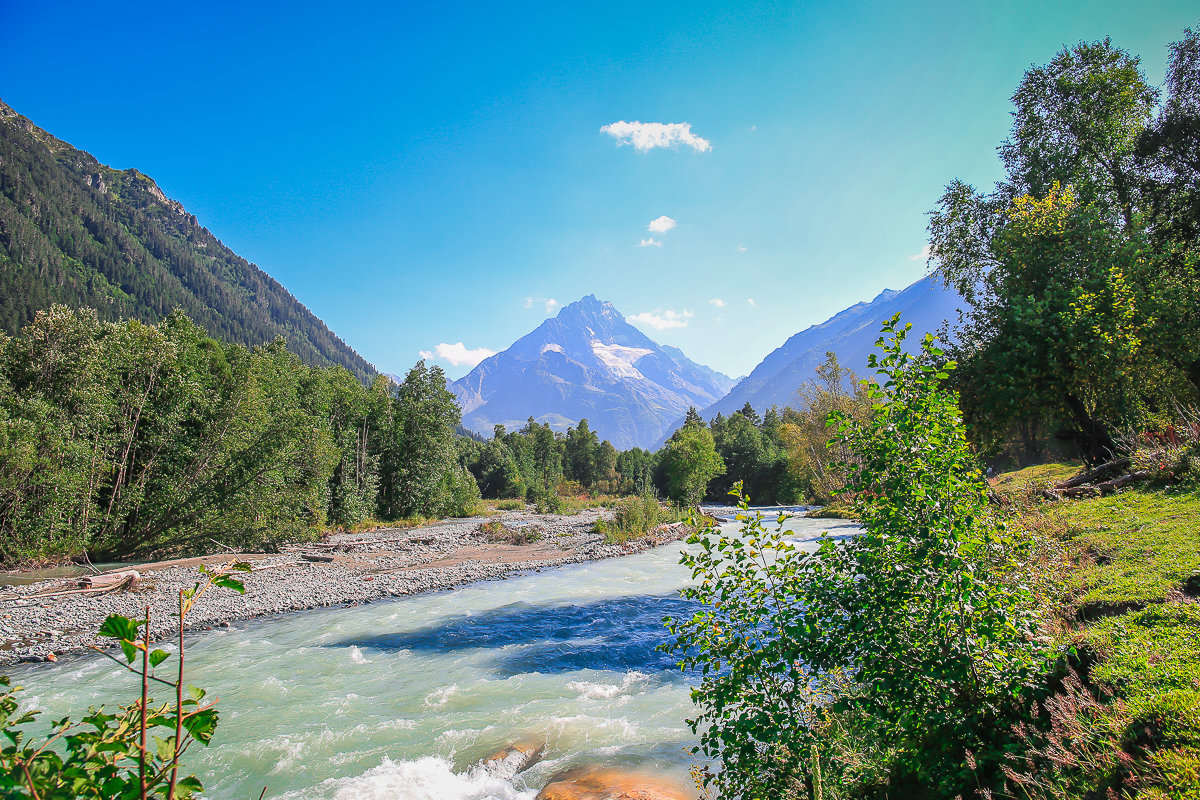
{"points": [[121, 439], [125, 439], [76, 232]]}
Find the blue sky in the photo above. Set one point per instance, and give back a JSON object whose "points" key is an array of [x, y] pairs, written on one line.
{"points": [[436, 173]]}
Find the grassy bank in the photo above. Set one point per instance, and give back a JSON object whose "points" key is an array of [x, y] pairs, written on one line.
{"points": [[1124, 719]]}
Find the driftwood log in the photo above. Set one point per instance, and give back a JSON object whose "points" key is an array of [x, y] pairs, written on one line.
{"points": [[109, 580]]}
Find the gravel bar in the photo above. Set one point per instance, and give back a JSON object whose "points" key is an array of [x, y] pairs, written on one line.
{"points": [[368, 566]]}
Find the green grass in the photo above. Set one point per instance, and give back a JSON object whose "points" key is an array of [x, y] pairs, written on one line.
{"points": [[1136, 636], [1133, 548], [832, 511], [497, 532], [1036, 476]]}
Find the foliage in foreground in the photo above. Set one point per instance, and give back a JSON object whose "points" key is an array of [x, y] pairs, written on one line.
{"points": [[893, 662], [131, 754]]}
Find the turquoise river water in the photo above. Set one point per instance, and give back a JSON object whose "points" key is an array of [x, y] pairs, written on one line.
{"points": [[397, 699]]}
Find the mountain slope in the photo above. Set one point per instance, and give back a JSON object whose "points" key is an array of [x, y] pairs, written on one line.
{"points": [[851, 334], [75, 231], [588, 362]]}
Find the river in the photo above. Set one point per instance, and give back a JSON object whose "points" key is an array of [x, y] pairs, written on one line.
{"points": [[397, 699]]}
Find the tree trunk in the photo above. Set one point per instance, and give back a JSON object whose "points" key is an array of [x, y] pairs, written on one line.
{"points": [[1095, 443]]}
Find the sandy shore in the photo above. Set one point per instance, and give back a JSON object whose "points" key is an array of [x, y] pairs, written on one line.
{"points": [[364, 567]]}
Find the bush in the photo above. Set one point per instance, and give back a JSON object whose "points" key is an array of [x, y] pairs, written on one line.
{"points": [[635, 517], [117, 755], [497, 532], [893, 662]]}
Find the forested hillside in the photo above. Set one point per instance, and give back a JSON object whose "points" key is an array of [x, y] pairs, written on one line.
{"points": [[77, 232]]}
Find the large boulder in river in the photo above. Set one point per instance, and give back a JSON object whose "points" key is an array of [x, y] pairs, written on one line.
{"points": [[517, 757], [595, 782]]}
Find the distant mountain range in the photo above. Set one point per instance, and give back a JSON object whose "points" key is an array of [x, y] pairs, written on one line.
{"points": [[851, 334], [588, 362], [77, 232]]}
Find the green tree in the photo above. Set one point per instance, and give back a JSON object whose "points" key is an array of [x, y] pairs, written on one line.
{"points": [[420, 445], [690, 460], [1055, 262]]}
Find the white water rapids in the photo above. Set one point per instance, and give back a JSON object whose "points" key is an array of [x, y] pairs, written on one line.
{"points": [[399, 698]]}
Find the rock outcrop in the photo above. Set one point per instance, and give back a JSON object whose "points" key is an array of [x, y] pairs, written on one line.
{"points": [[596, 782]]}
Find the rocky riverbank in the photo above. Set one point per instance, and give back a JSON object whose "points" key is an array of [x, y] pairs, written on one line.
{"points": [[39, 622]]}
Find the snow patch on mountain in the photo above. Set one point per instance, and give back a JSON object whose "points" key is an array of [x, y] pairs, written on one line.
{"points": [[620, 359]]}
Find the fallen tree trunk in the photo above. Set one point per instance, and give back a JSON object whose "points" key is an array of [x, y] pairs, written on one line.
{"points": [[1102, 472], [1098, 489]]}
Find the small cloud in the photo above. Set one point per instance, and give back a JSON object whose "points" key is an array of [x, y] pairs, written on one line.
{"points": [[651, 242], [741, 248], [750, 301], [457, 354], [551, 304], [718, 302], [662, 320], [529, 302], [925, 254], [661, 225], [646, 136], [753, 127]]}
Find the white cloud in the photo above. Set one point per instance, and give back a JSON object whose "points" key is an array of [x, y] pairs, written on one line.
{"points": [[750, 301], [649, 135], [457, 354], [661, 224], [718, 302], [741, 248], [551, 303], [651, 242], [662, 320], [925, 254], [529, 302]]}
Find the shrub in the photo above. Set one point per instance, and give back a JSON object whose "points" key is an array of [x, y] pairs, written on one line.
{"points": [[634, 518], [497, 532], [896, 657]]}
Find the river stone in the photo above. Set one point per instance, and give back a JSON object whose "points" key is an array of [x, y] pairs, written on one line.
{"points": [[595, 782], [519, 756]]}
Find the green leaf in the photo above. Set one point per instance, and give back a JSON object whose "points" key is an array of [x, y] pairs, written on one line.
{"points": [[157, 657], [229, 583], [201, 725], [118, 627]]}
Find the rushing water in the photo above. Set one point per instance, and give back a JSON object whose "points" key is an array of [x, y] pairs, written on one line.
{"points": [[399, 698]]}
